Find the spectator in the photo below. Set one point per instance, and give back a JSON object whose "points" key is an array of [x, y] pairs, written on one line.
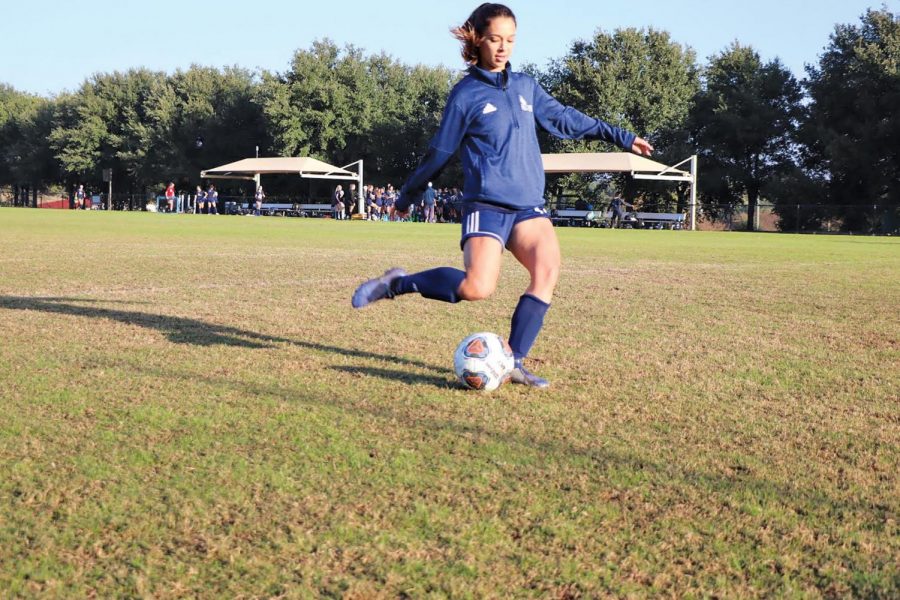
{"points": [[389, 197], [337, 203], [199, 200], [80, 196], [617, 207], [212, 201], [452, 208], [351, 200], [170, 197], [379, 204], [260, 196], [370, 202], [428, 200]]}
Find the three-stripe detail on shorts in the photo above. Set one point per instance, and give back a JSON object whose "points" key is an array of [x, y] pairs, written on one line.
{"points": [[473, 222]]}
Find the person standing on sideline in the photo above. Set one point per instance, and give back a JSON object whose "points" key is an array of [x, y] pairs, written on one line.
{"points": [[259, 197], [389, 198], [351, 200], [371, 209], [379, 204], [337, 203], [491, 116], [212, 200], [170, 197], [617, 208], [199, 200], [80, 196], [428, 204]]}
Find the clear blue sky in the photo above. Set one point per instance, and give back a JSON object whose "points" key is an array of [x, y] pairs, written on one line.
{"points": [[47, 47]]}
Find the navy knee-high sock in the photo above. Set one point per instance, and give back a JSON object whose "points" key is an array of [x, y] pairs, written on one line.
{"points": [[437, 284], [527, 321]]}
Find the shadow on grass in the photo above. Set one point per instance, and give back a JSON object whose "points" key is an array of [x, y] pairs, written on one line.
{"points": [[404, 376], [183, 330]]}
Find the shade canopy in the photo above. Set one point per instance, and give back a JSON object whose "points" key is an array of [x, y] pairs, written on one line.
{"points": [[304, 166], [309, 168], [607, 162], [638, 167]]}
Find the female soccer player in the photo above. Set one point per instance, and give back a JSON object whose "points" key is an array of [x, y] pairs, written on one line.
{"points": [[491, 114]]}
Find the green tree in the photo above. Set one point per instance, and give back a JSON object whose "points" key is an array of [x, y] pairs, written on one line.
{"points": [[308, 108], [853, 124], [207, 117], [638, 79], [145, 125], [105, 124], [340, 106], [25, 123], [745, 122]]}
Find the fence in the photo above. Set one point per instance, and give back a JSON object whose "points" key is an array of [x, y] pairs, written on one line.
{"points": [[804, 218]]}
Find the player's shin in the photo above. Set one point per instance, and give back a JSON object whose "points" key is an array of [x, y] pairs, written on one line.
{"points": [[527, 321], [437, 284]]}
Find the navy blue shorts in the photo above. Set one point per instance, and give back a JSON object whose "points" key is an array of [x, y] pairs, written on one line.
{"points": [[481, 219]]}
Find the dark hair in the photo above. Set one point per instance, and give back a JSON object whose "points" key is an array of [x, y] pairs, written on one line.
{"points": [[471, 33]]}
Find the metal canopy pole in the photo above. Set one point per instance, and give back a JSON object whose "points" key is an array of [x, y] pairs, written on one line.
{"points": [[362, 204], [359, 182], [694, 192]]}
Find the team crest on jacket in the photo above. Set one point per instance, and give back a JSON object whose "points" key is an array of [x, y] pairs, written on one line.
{"points": [[524, 104], [489, 108]]}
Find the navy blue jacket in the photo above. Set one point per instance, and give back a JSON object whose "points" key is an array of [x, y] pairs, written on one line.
{"points": [[491, 118]]}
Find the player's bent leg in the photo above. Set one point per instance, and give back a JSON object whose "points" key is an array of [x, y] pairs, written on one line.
{"points": [[482, 256], [534, 244], [478, 281]]}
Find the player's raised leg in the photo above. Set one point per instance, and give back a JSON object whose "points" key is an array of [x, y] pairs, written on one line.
{"points": [[534, 244], [482, 257]]}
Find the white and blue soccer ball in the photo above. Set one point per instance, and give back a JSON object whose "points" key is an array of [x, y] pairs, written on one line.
{"points": [[483, 361]]}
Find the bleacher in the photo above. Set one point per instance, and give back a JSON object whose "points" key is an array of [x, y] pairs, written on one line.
{"points": [[634, 220], [284, 209], [653, 220], [567, 217]]}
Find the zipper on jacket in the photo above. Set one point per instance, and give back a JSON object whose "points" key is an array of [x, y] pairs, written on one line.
{"points": [[512, 106]]}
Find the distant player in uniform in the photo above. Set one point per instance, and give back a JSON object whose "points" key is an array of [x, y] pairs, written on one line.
{"points": [[199, 200], [491, 117], [371, 208], [79, 197], [212, 201]]}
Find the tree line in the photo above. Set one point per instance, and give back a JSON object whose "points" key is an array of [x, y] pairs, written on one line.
{"points": [[831, 139]]}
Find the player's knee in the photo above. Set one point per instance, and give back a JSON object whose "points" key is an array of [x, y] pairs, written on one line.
{"points": [[477, 288]]}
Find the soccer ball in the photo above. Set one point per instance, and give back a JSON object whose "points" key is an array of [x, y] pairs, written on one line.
{"points": [[483, 361]]}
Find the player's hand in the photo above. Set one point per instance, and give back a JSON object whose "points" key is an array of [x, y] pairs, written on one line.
{"points": [[642, 147]]}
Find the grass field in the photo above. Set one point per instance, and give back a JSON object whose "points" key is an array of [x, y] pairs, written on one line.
{"points": [[191, 409]]}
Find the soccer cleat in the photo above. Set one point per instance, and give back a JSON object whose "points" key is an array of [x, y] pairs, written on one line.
{"points": [[376, 289], [520, 374]]}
